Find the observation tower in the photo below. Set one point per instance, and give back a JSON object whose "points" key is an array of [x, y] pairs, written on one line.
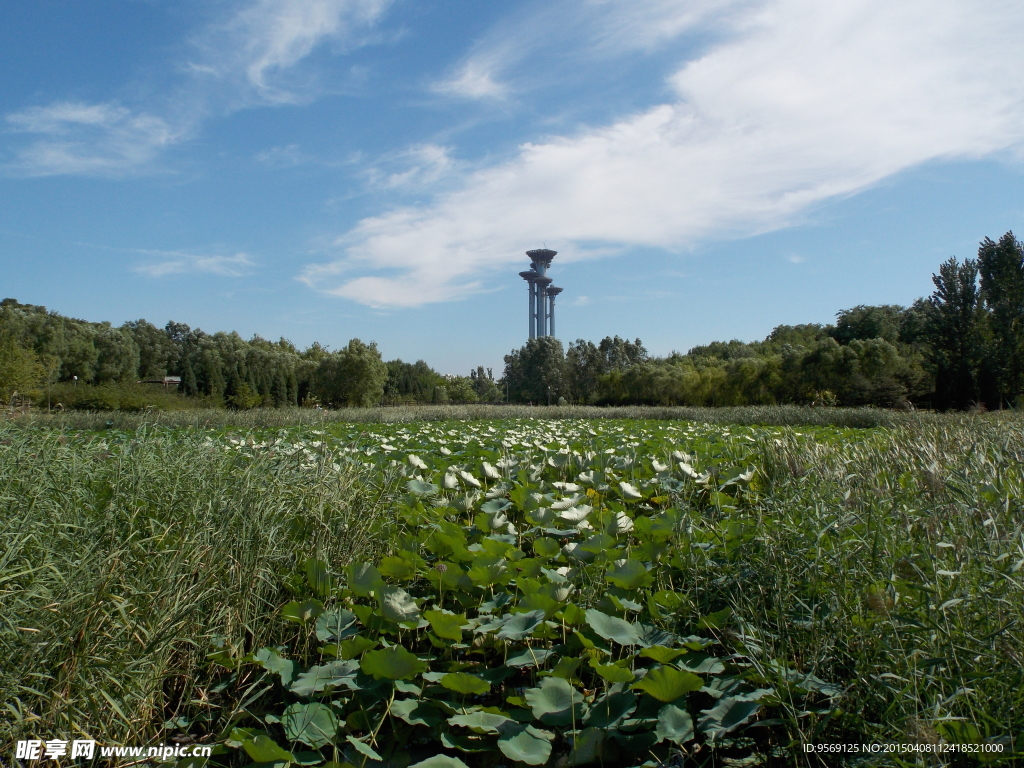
{"points": [[542, 293]]}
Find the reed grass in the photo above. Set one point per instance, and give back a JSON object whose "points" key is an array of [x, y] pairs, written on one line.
{"points": [[123, 557]]}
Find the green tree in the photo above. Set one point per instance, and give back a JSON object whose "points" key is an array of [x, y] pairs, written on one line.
{"points": [[1001, 268], [353, 376], [20, 370], [536, 372], [484, 386], [869, 322], [460, 389], [954, 330]]}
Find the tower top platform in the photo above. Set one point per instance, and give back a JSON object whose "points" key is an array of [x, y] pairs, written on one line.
{"points": [[542, 254]]}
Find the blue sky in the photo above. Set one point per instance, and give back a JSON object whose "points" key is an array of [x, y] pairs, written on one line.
{"points": [[329, 169]]}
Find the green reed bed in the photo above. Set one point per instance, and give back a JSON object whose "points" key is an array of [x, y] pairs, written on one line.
{"points": [[122, 556]]}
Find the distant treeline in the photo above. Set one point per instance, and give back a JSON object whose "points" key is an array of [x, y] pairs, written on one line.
{"points": [[961, 347], [81, 364]]}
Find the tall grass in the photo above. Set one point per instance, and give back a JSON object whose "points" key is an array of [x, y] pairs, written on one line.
{"points": [[122, 558], [777, 415]]}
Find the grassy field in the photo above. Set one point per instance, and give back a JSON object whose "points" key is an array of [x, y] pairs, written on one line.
{"points": [[864, 583]]}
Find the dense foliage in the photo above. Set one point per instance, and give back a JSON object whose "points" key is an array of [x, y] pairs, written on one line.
{"points": [[962, 346], [541, 591]]}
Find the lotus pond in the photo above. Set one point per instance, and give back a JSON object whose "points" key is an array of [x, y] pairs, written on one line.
{"points": [[578, 592], [574, 592]]}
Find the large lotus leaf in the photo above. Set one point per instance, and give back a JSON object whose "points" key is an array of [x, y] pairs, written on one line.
{"points": [[611, 710], [264, 749], [446, 625], [421, 488], [440, 761], [355, 646], [465, 683], [575, 514], [464, 742], [363, 748], [272, 661], [629, 575], [661, 654], [613, 673], [314, 724], [300, 613], [650, 635], [531, 657], [553, 700], [320, 677], [597, 543], [335, 624], [587, 746], [469, 479], [521, 625], [668, 683], [612, 628], [480, 722], [525, 744], [729, 713], [363, 578], [674, 724], [397, 605], [416, 712], [566, 667], [545, 547], [620, 523], [539, 601], [701, 663], [495, 505], [402, 567], [628, 492], [394, 663], [491, 573]]}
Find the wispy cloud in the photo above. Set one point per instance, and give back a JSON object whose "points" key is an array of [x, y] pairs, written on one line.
{"points": [[532, 46], [243, 59], [474, 80], [97, 139], [800, 102], [177, 263], [414, 168], [263, 41]]}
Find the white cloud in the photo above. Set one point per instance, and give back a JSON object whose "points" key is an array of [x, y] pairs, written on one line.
{"points": [[264, 39], [803, 101], [96, 139], [243, 60], [417, 167], [557, 39], [175, 263], [473, 81]]}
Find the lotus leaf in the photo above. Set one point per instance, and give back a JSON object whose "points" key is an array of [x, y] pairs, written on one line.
{"points": [[397, 605], [525, 744], [668, 683], [612, 628], [630, 574], [521, 625], [464, 683], [314, 724], [394, 663], [446, 625], [674, 724]]}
